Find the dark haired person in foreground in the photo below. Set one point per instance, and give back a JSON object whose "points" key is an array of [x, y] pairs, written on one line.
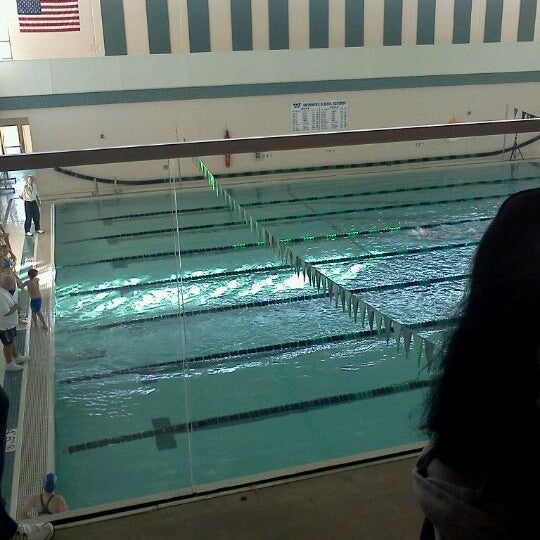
{"points": [[479, 477]]}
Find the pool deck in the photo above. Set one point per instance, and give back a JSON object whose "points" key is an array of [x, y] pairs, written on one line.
{"points": [[372, 501]]}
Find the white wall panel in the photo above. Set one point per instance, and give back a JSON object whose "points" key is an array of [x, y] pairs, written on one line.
{"points": [[444, 22], [259, 24], [537, 23], [478, 21], [136, 24], [336, 24], [373, 22], [298, 24], [179, 26], [410, 22], [510, 21], [220, 25]]}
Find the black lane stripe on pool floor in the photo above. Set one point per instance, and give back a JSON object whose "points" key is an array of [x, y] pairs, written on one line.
{"points": [[261, 303], [240, 223], [264, 269], [149, 369], [333, 236], [258, 414], [312, 199]]}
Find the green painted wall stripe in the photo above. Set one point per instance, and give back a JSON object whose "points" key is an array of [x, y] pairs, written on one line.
{"points": [[159, 35], [318, 24], [527, 17], [462, 21], [393, 16], [199, 25], [425, 33], [114, 30], [263, 89], [493, 24], [278, 22], [354, 23], [242, 26]]}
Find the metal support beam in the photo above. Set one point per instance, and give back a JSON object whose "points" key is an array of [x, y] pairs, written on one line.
{"points": [[121, 154]]}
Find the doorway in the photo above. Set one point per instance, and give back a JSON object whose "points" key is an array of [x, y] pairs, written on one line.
{"points": [[15, 137]]}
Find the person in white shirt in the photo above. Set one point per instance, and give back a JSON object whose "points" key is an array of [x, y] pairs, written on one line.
{"points": [[30, 196], [9, 316]]}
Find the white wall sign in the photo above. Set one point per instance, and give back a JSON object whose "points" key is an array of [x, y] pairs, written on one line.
{"points": [[11, 439], [309, 116]]}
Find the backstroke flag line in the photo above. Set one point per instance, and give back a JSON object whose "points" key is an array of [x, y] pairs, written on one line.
{"points": [[48, 15]]}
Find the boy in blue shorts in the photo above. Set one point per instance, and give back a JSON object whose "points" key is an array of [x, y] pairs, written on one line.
{"points": [[32, 284]]}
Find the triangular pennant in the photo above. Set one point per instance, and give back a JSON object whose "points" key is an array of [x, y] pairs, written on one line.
{"points": [[348, 297], [397, 332], [330, 289], [429, 347], [407, 335], [370, 316], [515, 111], [318, 279], [387, 327], [418, 342], [343, 298], [363, 307], [355, 302], [378, 321]]}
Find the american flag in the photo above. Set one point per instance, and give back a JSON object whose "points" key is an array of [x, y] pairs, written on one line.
{"points": [[48, 15]]}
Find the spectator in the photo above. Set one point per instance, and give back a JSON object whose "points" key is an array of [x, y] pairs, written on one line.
{"points": [[9, 316], [47, 502], [4, 240], [7, 263], [30, 196], [9, 528], [478, 478]]}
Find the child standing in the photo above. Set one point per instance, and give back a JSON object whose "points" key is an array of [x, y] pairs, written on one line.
{"points": [[32, 284]]}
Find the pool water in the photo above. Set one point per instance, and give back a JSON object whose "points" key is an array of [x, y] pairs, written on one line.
{"points": [[194, 356]]}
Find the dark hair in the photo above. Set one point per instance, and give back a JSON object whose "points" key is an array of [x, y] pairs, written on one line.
{"points": [[32, 272], [482, 411]]}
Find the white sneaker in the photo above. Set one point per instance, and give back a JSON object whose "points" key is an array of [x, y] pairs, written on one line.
{"points": [[34, 531], [28, 233], [21, 359], [12, 366], [40, 231]]}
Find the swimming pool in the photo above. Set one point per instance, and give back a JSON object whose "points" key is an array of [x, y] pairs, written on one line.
{"points": [[178, 372]]}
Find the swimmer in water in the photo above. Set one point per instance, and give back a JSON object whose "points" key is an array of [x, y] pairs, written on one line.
{"points": [[422, 232]]}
